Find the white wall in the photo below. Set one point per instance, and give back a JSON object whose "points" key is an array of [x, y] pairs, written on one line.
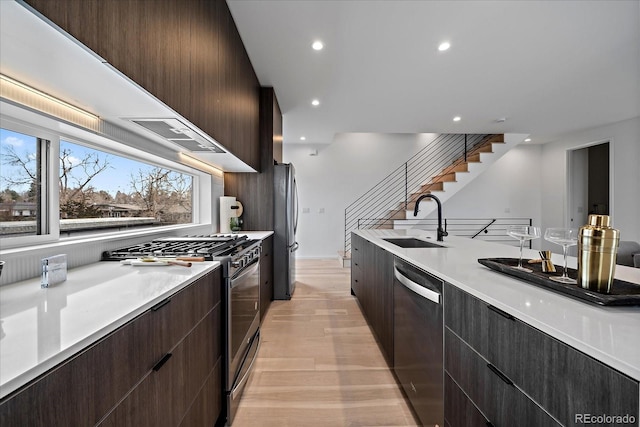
{"points": [[334, 178], [624, 138], [530, 181], [354, 163], [493, 195], [490, 195]]}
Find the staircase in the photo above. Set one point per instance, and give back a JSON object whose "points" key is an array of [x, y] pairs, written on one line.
{"points": [[449, 176], [444, 167]]}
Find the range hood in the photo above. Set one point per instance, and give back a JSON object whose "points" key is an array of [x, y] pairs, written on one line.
{"points": [[179, 133]]}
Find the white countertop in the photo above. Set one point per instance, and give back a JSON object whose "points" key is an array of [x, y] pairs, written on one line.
{"points": [[609, 334], [39, 328], [258, 235]]}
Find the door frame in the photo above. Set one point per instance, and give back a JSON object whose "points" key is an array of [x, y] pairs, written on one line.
{"points": [[568, 202]]}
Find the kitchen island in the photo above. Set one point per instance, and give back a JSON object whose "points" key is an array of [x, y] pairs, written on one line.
{"points": [[580, 335]]}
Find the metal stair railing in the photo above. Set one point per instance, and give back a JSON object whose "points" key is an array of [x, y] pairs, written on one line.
{"points": [[393, 193]]}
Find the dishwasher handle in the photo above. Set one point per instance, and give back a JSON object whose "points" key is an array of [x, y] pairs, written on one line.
{"points": [[415, 287]]}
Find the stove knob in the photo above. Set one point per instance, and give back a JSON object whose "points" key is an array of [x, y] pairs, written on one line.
{"points": [[235, 264]]}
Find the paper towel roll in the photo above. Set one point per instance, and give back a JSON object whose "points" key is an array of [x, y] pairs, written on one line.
{"points": [[226, 202], [239, 208]]}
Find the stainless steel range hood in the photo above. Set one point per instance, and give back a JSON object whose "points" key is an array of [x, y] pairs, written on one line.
{"points": [[179, 133]]}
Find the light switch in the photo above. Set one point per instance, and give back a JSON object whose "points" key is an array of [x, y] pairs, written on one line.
{"points": [[321, 210], [306, 210]]}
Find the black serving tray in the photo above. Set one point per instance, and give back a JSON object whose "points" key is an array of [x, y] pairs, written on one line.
{"points": [[622, 293]]}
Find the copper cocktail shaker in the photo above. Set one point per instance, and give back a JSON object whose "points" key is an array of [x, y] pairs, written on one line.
{"points": [[597, 249]]}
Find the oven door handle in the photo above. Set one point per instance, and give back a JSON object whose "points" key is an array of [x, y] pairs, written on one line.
{"points": [[247, 272], [244, 378]]}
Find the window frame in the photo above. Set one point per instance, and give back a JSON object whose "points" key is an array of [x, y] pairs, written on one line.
{"points": [[50, 205], [49, 208]]}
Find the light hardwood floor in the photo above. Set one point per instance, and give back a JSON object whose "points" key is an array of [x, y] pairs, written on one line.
{"points": [[319, 364]]}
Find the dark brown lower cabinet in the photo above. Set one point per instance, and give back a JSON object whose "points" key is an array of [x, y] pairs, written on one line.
{"points": [[157, 370], [138, 409], [208, 405], [518, 375], [493, 393], [266, 276], [372, 285], [459, 410]]}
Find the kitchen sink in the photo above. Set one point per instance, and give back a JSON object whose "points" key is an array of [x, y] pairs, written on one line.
{"points": [[411, 242]]}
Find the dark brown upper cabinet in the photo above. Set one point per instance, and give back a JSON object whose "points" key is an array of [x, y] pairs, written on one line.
{"points": [[186, 53]]}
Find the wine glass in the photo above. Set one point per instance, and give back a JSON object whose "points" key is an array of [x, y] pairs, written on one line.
{"points": [[523, 233], [565, 237]]}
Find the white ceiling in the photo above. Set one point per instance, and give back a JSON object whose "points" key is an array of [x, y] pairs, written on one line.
{"points": [[548, 67]]}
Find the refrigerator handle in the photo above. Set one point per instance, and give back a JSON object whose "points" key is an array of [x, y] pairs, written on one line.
{"points": [[295, 247], [295, 223]]}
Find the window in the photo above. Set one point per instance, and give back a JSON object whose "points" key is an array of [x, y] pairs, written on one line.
{"points": [[99, 190], [21, 197], [87, 190]]}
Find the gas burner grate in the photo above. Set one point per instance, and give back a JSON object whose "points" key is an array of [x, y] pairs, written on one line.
{"points": [[207, 246]]}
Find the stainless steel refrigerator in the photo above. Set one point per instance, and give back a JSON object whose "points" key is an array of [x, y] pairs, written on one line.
{"points": [[285, 226]]}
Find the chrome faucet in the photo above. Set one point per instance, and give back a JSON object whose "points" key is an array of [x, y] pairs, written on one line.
{"points": [[441, 232]]}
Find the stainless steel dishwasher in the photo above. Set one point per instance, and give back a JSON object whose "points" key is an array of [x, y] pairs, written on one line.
{"points": [[418, 340]]}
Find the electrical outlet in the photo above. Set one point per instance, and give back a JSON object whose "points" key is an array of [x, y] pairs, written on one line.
{"points": [[306, 210], [321, 210]]}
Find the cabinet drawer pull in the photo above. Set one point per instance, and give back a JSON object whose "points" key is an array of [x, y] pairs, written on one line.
{"points": [[501, 313], [162, 361], [502, 376], [161, 304]]}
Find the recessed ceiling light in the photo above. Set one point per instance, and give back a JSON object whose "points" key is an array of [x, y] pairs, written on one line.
{"points": [[527, 140], [315, 102], [317, 45], [444, 46], [303, 138], [457, 118]]}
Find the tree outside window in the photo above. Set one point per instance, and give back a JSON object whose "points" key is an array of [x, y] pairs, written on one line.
{"points": [[92, 185]]}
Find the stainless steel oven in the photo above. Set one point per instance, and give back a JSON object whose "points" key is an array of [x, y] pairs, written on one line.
{"points": [[242, 323]]}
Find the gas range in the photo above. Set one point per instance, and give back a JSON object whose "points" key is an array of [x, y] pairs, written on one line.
{"points": [[207, 246]]}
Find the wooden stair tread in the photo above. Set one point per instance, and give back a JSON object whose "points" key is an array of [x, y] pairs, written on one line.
{"points": [[444, 177]]}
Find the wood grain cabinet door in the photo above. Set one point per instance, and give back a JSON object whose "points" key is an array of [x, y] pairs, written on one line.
{"points": [[82, 390], [177, 315], [493, 393], [560, 378], [383, 296], [266, 276], [356, 269], [459, 410], [372, 284], [179, 380]]}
